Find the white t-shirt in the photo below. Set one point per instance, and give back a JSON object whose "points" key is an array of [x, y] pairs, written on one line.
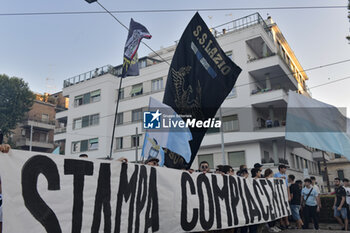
{"points": [[347, 190]]}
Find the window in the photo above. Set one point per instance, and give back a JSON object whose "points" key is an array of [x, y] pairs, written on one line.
{"points": [[77, 123], [120, 118], [208, 158], [142, 64], [78, 100], [229, 54], [340, 174], [213, 129], [136, 90], [119, 143], [85, 145], [86, 121], [337, 156], [136, 115], [95, 96], [230, 123], [297, 161], [45, 118], [90, 97], [157, 84], [135, 140], [292, 164], [95, 119], [75, 147], [233, 93], [236, 158], [93, 144], [86, 98], [43, 137]]}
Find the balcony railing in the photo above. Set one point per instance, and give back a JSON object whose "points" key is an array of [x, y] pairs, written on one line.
{"points": [[108, 69], [241, 23], [60, 130], [251, 59], [39, 120]]}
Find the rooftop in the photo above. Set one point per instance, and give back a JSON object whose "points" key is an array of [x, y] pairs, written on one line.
{"points": [[107, 69]]}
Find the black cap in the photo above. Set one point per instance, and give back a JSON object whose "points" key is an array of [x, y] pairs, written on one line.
{"points": [[244, 170], [281, 166], [150, 159], [257, 165]]}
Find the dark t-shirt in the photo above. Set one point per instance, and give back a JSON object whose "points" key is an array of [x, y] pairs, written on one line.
{"points": [[296, 191], [340, 192]]}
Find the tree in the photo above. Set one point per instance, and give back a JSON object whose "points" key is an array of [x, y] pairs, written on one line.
{"points": [[15, 100]]}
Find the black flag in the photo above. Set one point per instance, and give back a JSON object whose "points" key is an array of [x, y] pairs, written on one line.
{"points": [[136, 32], [200, 78]]}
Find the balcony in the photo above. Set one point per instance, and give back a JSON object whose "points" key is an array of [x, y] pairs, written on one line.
{"points": [[266, 97], [241, 23], [39, 124], [60, 130], [318, 156], [24, 142], [108, 69], [272, 71], [270, 118]]}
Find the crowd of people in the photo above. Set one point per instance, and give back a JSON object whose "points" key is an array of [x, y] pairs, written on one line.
{"points": [[304, 196]]}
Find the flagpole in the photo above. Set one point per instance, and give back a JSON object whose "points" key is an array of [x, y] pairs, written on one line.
{"points": [[115, 118]]}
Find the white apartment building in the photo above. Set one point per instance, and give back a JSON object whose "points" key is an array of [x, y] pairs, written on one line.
{"points": [[253, 114]]}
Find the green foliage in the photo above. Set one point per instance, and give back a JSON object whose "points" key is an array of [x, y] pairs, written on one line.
{"points": [[15, 100]]}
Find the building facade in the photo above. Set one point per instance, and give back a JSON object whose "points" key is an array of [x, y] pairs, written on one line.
{"points": [[36, 131], [253, 115]]}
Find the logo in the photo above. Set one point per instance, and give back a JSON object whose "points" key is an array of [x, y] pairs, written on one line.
{"points": [[151, 120]]}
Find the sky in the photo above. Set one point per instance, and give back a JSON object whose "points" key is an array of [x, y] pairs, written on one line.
{"points": [[47, 49]]}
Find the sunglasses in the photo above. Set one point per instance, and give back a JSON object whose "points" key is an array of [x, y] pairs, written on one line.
{"points": [[204, 167]]}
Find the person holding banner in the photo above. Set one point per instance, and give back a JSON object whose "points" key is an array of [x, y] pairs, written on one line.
{"points": [[4, 149]]}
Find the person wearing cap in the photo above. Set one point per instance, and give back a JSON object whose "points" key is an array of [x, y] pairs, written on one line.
{"points": [[152, 161], [259, 166]]}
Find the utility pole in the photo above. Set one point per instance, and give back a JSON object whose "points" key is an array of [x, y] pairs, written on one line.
{"points": [[31, 138], [137, 145], [222, 139]]}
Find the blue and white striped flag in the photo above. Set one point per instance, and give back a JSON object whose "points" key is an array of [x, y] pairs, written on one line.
{"points": [[317, 124]]}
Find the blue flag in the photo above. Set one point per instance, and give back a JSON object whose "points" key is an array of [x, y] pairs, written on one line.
{"points": [[136, 32], [318, 125], [160, 136]]}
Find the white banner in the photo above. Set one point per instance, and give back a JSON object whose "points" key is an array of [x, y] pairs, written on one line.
{"points": [[53, 193]]}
